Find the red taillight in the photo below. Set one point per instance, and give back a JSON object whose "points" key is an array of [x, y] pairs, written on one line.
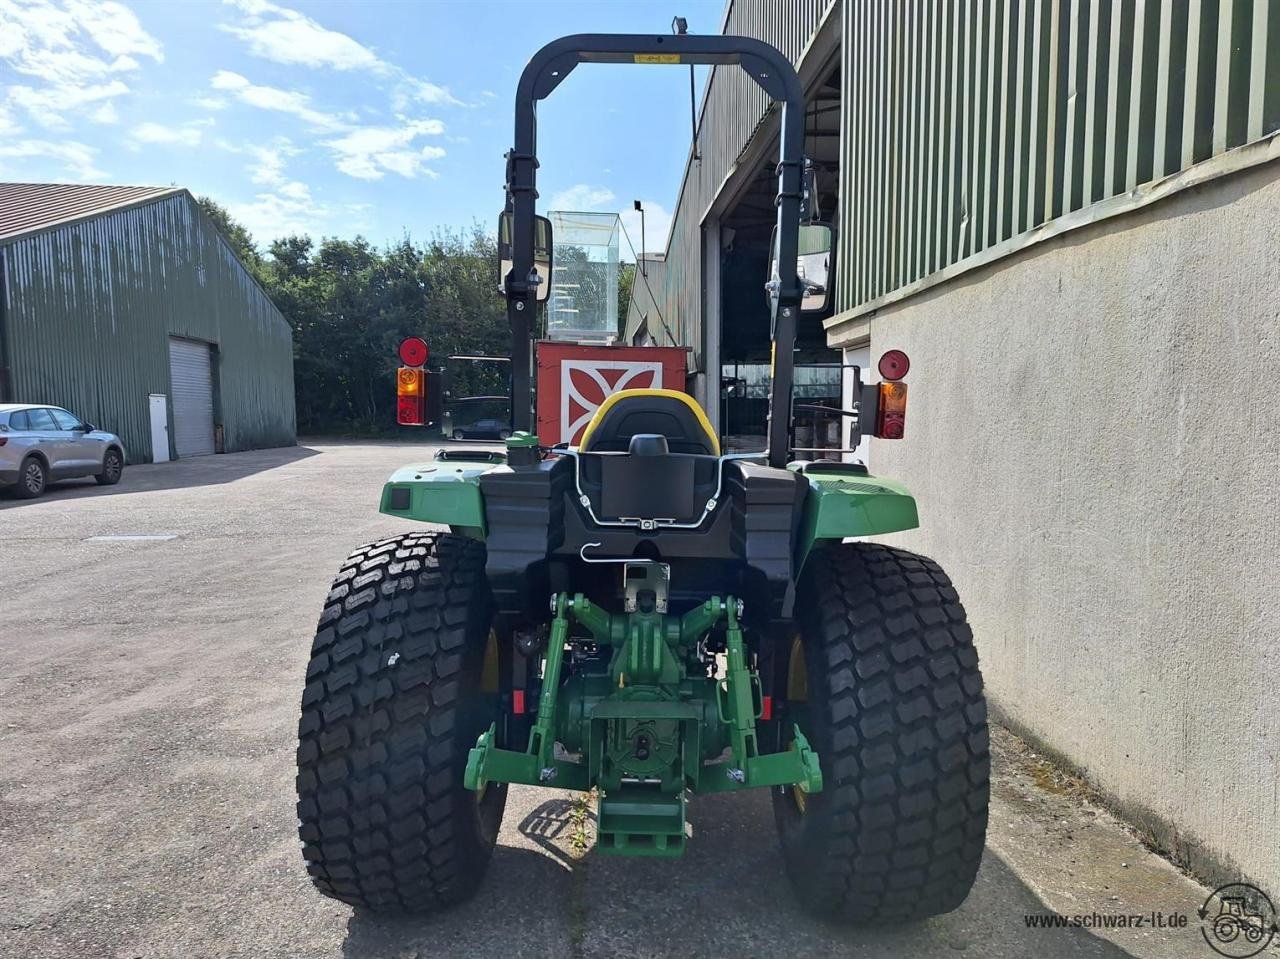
{"points": [[891, 413], [517, 701], [3, 440], [411, 402], [413, 351], [894, 365], [766, 708]]}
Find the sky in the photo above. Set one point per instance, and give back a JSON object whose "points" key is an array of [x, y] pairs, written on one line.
{"points": [[382, 119]]}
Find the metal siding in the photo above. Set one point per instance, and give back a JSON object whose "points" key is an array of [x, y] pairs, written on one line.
{"points": [[90, 307], [733, 107], [1031, 109]]}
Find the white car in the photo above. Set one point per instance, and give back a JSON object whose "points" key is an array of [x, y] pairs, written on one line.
{"points": [[39, 444]]}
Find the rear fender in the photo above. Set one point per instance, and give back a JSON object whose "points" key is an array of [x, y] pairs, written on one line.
{"points": [[842, 503], [444, 492]]}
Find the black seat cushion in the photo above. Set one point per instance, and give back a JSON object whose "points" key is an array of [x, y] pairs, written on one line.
{"points": [[672, 486]]}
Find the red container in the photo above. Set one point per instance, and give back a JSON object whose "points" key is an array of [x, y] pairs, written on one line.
{"points": [[573, 380]]}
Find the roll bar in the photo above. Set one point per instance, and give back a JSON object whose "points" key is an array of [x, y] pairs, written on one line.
{"points": [[769, 68]]}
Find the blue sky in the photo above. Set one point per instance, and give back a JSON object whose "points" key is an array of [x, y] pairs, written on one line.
{"points": [[332, 118]]}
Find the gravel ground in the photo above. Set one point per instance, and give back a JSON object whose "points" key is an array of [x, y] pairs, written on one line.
{"points": [[150, 691]]}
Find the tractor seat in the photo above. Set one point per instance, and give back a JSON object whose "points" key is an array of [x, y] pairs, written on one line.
{"points": [[667, 413], [670, 462]]}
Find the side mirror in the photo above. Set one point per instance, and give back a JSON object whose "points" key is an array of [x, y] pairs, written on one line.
{"points": [[541, 254], [83, 428], [813, 266]]}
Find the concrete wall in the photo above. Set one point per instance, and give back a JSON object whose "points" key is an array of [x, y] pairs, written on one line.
{"points": [[1094, 437]]}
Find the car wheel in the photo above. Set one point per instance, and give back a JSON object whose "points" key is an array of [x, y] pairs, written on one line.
{"points": [[112, 468], [459, 435], [32, 478], [504, 434]]}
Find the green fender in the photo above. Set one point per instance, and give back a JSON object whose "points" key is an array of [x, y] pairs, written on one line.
{"points": [[852, 503], [839, 503], [446, 492]]}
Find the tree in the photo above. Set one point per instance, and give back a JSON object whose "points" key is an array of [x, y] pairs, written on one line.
{"points": [[349, 304], [234, 233], [626, 280]]}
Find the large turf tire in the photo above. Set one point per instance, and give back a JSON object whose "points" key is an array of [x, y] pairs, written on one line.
{"points": [[393, 703], [894, 708]]}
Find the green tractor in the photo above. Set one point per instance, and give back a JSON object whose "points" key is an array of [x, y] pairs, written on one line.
{"points": [[646, 617]]}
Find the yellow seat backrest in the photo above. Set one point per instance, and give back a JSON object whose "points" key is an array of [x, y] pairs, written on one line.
{"points": [[613, 399]]}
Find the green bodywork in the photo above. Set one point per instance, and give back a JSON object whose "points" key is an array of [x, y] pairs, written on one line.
{"points": [[640, 719], [444, 491], [646, 725], [839, 503], [843, 504]]}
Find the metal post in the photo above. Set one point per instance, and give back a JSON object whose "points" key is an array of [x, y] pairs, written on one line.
{"points": [[769, 68], [639, 207]]}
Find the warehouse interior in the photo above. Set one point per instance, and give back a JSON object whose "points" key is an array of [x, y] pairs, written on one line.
{"points": [[744, 315]]}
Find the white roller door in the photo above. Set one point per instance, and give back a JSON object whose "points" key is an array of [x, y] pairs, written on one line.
{"points": [[192, 379]]}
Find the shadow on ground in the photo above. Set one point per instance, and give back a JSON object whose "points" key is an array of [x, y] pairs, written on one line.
{"points": [[729, 895], [179, 474], [520, 910]]}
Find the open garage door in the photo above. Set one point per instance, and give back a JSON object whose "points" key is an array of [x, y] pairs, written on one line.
{"points": [[192, 379]]}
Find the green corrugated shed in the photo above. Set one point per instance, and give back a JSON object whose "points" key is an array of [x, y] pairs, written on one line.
{"points": [[95, 282]]}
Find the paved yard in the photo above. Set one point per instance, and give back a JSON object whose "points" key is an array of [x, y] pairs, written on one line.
{"points": [[150, 690]]}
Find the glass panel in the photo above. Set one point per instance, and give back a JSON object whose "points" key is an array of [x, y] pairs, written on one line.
{"points": [[64, 420], [40, 420], [584, 277]]}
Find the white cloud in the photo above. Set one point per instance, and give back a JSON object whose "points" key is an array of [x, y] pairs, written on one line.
{"points": [[46, 105], [75, 159], [282, 212], [370, 152], [269, 161], [291, 209], [8, 125], [210, 103], [286, 36], [286, 198], [582, 197], [274, 98], [105, 113], [74, 52], [157, 134], [423, 91]]}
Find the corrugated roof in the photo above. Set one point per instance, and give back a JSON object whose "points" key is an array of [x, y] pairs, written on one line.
{"points": [[30, 207]]}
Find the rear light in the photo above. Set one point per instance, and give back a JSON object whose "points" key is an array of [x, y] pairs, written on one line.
{"points": [[894, 365], [413, 351], [3, 440], [891, 413], [411, 404]]}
